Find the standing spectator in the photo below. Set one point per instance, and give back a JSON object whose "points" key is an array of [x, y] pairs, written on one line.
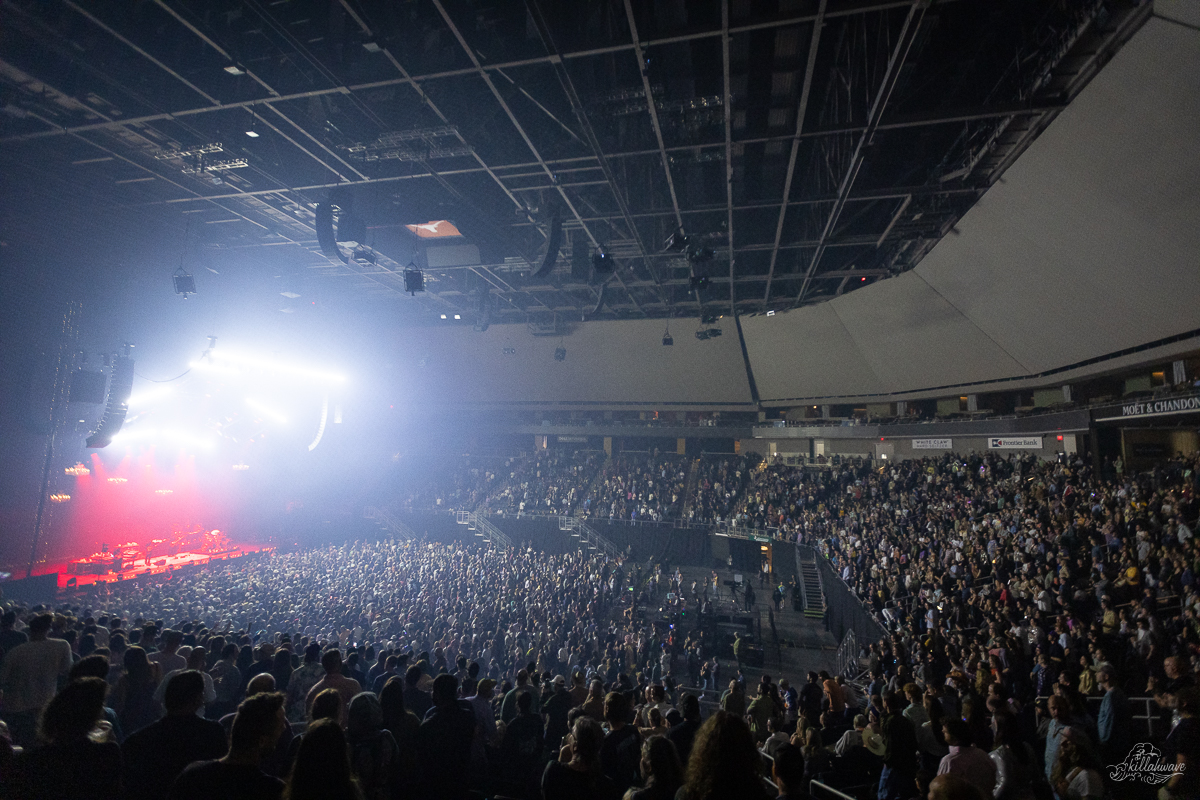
{"points": [[301, 682], [965, 759], [417, 700], [555, 708], [29, 677], [227, 683], [155, 755], [237, 775], [69, 763], [10, 637], [724, 762], [900, 751], [486, 732], [281, 669], [403, 725], [346, 687], [1114, 723], [373, 753], [581, 776], [133, 696], [196, 661], [322, 769], [684, 734], [1076, 772], [621, 751], [523, 744], [761, 710], [167, 657], [444, 741], [661, 771], [1182, 746], [1013, 757]]}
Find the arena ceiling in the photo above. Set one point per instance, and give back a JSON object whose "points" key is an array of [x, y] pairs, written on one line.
{"points": [[806, 148]]}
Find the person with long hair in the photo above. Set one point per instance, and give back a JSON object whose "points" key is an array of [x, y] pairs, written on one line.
{"points": [[322, 767], [133, 696], [580, 778], [373, 751], [1014, 760], [76, 757], [403, 725], [724, 762], [660, 769], [1076, 772]]}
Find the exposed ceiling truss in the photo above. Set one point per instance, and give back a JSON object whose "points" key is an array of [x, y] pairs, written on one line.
{"points": [[807, 149]]}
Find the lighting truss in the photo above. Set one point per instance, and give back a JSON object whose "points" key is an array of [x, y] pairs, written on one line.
{"points": [[216, 166], [413, 145], [203, 150]]}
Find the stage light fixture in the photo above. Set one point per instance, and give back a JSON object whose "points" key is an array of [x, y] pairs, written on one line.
{"points": [[698, 283], [185, 284], [560, 354], [240, 467], [667, 340], [714, 333], [253, 134], [602, 264], [702, 335], [676, 242], [414, 280], [163, 492], [443, 316], [59, 498], [234, 69], [699, 255], [78, 470], [458, 316], [770, 313], [118, 480]]}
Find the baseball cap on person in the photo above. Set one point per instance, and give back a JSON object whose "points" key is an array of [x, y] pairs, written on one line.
{"points": [[559, 680]]}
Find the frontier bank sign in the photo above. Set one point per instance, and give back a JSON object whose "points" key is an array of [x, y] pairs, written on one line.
{"points": [[1150, 408]]}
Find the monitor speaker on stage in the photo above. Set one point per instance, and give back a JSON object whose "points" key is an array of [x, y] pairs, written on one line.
{"points": [[118, 403]]}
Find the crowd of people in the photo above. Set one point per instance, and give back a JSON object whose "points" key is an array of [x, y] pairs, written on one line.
{"points": [[1022, 604], [640, 487], [546, 483]]}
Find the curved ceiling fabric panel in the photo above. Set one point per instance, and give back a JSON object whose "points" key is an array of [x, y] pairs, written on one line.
{"points": [[912, 337], [606, 362], [1087, 246], [1089, 243], [806, 353]]}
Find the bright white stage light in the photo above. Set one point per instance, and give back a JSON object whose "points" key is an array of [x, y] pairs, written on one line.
{"points": [[234, 363], [265, 410], [155, 435], [148, 395]]}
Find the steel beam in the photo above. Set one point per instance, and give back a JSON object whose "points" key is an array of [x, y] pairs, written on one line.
{"points": [[801, 112], [912, 23]]}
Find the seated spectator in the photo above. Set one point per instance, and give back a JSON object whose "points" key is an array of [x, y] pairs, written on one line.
{"points": [[155, 755], [238, 775], [724, 762], [322, 770], [662, 774], [75, 758], [581, 776]]}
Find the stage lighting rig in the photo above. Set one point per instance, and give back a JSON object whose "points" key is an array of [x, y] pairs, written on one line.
{"points": [[185, 284], [560, 354], [676, 242], [696, 254], [414, 280], [602, 263], [698, 283], [667, 340]]}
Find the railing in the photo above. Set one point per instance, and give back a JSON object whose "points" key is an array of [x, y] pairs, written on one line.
{"points": [[390, 523], [591, 539], [1152, 717], [848, 664], [820, 791]]}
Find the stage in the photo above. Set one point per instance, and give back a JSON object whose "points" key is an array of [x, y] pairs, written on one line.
{"points": [[136, 569]]}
